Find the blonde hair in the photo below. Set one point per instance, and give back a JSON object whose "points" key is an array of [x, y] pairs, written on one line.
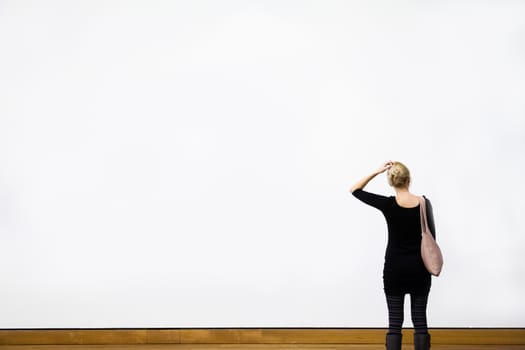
{"points": [[398, 175]]}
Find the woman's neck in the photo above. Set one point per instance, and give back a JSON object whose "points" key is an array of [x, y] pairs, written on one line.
{"points": [[402, 191]]}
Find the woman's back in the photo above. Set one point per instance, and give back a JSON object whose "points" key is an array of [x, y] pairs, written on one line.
{"points": [[404, 271]]}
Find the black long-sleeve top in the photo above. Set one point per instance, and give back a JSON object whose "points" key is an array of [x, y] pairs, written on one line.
{"points": [[404, 271]]}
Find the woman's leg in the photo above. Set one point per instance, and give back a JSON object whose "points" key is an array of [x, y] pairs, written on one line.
{"points": [[395, 305], [419, 313], [419, 318]]}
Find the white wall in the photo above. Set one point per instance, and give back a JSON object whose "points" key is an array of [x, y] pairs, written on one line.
{"points": [[187, 163]]}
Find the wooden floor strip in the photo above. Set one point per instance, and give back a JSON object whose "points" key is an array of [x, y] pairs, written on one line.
{"points": [[228, 337], [253, 347]]}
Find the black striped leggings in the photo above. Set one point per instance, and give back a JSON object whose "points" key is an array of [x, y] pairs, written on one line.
{"points": [[418, 309]]}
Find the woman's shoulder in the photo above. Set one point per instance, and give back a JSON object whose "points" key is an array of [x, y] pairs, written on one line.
{"points": [[361, 192], [376, 200]]}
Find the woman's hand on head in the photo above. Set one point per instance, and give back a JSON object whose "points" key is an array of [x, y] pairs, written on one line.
{"points": [[385, 166]]}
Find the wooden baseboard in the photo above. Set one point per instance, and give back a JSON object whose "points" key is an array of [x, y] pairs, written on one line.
{"points": [[477, 336]]}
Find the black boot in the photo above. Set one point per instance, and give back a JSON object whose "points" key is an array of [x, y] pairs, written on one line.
{"points": [[421, 341], [393, 341]]}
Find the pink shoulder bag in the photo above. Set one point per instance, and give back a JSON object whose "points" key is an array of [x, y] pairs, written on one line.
{"points": [[430, 251]]}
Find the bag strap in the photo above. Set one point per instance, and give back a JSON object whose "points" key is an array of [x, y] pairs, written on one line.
{"points": [[423, 214]]}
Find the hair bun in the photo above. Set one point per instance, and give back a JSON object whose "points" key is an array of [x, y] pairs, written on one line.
{"points": [[398, 175]]}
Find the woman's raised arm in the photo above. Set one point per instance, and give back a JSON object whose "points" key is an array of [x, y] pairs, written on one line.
{"points": [[364, 181]]}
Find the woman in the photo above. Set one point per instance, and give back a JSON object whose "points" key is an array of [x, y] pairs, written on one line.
{"points": [[404, 271]]}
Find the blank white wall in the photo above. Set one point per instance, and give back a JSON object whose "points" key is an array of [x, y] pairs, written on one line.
{"points": [[187, 163]]}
